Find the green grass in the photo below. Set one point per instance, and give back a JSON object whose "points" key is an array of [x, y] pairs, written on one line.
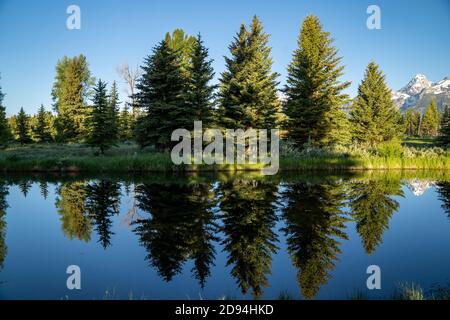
{"points": [[128, 158], [418, 142]]}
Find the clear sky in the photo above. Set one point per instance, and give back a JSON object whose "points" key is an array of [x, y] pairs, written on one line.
{"points": [[415, 37]]}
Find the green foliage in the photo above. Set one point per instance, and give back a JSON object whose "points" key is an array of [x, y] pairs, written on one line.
{"points": [[374, 116], [161, 97], [314, 105], [102, 121], [390, 149], [5, 130], [444, 131], [248, 94], [171, 235], [71, 208], [371, 206], [248, 221], [3, 205], [430, 123], [411, 122], [23, 127], [125, 124], [184, 45], [199, 91], [315, 225], [102, 202], [42, 126], [70, 92]]}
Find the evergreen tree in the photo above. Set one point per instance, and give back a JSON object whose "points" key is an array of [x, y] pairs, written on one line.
{"points": [[372, 205], [430, 124], [248, 214], [125, 124], [3, 206], [314, 105], [444, 131], [411, 122], [315, 225], [199, 91], [167, 233], [23, 127], [41, 130], [70, 92], [161, 97], [248, 93], [113, 105], [102, 202], [5, 131], [373, 115], [102, 123], [443, 190]]}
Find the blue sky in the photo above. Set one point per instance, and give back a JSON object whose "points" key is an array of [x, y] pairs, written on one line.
{"points": [[414, 37]]}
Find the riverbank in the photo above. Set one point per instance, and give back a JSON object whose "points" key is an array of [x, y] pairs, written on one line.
{"points": [[128, 158]]}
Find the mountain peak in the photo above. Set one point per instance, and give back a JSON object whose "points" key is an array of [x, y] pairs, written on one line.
{"points": [[419, 91], [416, 85]]}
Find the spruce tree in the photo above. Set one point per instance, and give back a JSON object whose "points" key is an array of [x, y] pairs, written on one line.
{"points": [[444, 138], [248, 93], [113, 106], [315, 227], [315, 101], [23, 127], [161, 97], [430, 124], [101, 132], [5, 131], [372, 204], [102, 202], [199, 91], [374, 116], [125, 124], [41, 129]]}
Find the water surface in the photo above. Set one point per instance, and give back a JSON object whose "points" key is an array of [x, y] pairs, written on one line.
{"points": [[236, 236]]}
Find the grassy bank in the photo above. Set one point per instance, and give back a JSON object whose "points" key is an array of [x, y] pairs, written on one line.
{"points": [[128, 158]]}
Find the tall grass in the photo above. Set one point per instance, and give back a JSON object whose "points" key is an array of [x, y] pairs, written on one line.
{"points": [[128, 158]]}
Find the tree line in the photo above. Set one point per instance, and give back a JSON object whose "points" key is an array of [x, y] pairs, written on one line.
{"points": [[173, 88]]}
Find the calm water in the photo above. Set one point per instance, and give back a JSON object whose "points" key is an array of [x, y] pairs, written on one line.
{"points": [[190, 237]]}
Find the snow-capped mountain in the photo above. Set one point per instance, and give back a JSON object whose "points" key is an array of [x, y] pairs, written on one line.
{"points": [[418, 187], [419, 92]]}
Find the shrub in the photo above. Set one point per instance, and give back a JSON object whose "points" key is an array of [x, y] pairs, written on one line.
{"points": [[390, 149]]}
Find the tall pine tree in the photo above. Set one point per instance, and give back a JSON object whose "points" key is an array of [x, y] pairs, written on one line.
{"points": [[248, 93], [444, 138], [374, 116], [101, 130], [23, 127], [113, 106], [314, 105], [5, 131], [199, 91], [161, 97], [41, 130], [430, 124]]}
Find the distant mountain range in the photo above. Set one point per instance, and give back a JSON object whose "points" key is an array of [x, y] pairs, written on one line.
{"points": [[416, 95], [419, 92]]}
